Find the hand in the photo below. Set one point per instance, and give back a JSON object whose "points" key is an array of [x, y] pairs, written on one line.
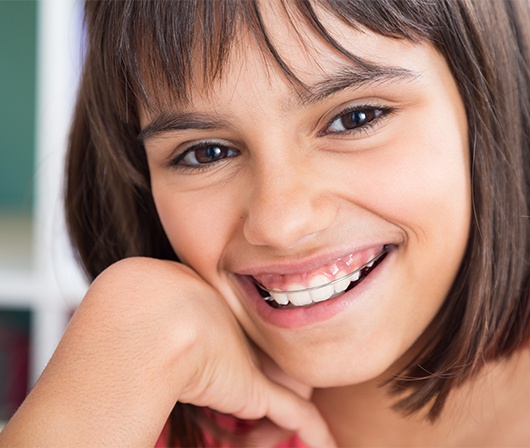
{"points": [[147, 334], [265, 433], [232, 383], [235, 377]]}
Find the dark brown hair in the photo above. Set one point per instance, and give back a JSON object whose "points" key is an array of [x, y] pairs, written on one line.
{"points": [[145, 52]]}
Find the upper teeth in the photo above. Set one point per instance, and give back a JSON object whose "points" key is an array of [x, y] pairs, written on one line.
{"points": [[317, 292]]}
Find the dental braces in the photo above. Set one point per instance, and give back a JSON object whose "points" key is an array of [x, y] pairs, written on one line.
{"points": [[352, 277]]}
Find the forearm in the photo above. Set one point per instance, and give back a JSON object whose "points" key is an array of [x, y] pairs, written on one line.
{"points": [[112, 380], [148, 334]]}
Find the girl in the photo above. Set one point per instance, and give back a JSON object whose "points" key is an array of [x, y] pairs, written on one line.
{"points": [[321, 210]]}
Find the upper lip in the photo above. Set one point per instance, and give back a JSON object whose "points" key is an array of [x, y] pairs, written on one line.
{"points": [[307, 264]]}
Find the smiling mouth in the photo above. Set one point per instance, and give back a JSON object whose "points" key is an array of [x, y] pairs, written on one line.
{"points": [[309, 296]]}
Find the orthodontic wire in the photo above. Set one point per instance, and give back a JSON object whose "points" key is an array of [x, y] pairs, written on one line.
{"points": [[312, 288]]}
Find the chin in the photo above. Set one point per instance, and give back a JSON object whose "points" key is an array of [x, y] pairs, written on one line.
{"points": [[342, 371]]}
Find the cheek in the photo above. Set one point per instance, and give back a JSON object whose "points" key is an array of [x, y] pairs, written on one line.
{"points": [[428, 186], [197, 226], [419, 179], [420, 183]]}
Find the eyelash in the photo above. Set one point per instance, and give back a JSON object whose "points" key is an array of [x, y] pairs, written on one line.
{"points": [[179, 162], [380, 113], [377, 113]]}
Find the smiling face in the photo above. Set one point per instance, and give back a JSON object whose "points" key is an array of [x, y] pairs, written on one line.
{"points": [[257, 180]]}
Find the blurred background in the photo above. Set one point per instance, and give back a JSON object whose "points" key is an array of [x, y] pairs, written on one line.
{"points": [[40, 283]]}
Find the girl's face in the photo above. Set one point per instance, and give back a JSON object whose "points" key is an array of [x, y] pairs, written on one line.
{"points": [[259, 179]]}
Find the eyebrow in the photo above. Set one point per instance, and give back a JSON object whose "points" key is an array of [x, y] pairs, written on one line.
{"points": [[351, 77], [178, 121], [347, 77]]}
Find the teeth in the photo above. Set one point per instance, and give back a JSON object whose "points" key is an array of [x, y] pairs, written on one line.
{"points": [[356, 275], [295, 287], [343, 284], [323, 293], [320, 288], [297, 295], [300, 298], [320, 280], [323, 289], [280, 298]]}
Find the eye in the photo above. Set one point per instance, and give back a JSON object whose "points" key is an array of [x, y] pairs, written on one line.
{"points": [[203, 155], [356, 118]]}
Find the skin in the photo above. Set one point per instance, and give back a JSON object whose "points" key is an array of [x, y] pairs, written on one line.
{"points": [[295, 194], [135, 347], [294, 197]]}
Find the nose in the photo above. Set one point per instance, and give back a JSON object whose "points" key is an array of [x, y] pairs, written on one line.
{"points": [[287, 206]]}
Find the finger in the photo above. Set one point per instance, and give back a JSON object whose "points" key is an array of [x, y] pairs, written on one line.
{"points": [[273, 372], [267, 434], [293, 413]]}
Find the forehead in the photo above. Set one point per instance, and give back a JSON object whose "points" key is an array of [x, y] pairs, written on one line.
{"points": [[165, 49], [252, 82], [292, 55]]}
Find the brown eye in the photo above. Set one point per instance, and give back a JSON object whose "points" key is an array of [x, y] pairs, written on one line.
{"points": [[203, 155], [354, 119], [210, 153]]}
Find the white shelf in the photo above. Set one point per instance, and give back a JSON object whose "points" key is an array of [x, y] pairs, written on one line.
{"points": [[37, 269], [16, 242]]}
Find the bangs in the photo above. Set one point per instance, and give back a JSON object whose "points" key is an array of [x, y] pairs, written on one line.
{"points": [[155, 53], [165, 49]]}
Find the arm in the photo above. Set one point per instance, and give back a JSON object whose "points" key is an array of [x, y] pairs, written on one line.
{"points": [[150, 333]]}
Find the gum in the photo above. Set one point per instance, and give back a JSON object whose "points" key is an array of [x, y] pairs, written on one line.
{"points": [[319, 276]]}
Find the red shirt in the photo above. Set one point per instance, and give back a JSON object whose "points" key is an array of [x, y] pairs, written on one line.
{"points": [[228, 422]]}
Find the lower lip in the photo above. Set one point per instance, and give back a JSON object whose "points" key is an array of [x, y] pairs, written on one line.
{"points": [[308, 315]]}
